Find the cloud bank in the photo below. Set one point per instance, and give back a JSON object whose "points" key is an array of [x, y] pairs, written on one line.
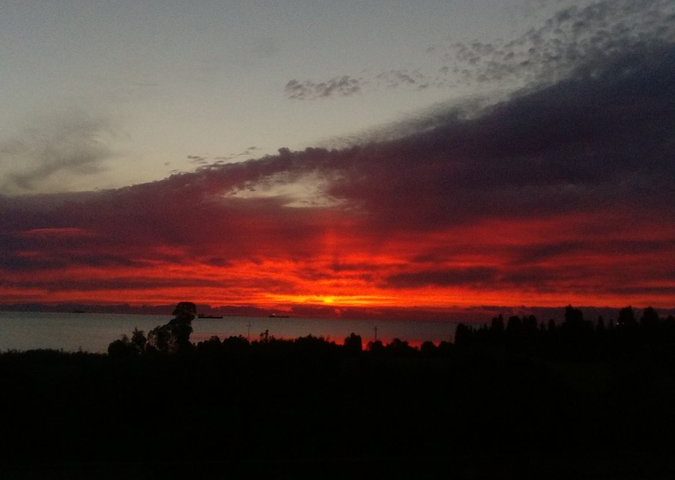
{"points": [[561, 193]]}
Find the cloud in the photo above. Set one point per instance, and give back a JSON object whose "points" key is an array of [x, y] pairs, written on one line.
{"points": [[402, 77], [576, 35], [197, 159], [343, 86], [573, 36], [576, 145], [450, 277], [249, 151], [201, 161], [71, 143], [562, 192], [346, 85]]}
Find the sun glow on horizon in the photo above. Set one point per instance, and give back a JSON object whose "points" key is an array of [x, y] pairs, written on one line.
{"points": [[331, 300]]}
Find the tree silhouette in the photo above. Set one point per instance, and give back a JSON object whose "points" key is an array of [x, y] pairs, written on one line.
{"points": [[174, 337], [573, 316], [650, 318], [627, 317], [497, 325], [428, 348], [375, 346], [138, 339], [353, 343], [514, 325]]}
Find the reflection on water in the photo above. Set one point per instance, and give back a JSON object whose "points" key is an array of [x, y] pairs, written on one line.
{"points": [[93, 332]]}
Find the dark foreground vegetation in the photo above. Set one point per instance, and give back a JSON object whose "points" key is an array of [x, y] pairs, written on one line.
{"points": [[515, 399]]}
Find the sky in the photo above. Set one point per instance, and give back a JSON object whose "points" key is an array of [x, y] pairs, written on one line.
{"points": [[370, 154]]}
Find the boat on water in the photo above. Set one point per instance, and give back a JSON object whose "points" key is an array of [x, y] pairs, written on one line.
{"points": [[278, 315], [203, 315]]}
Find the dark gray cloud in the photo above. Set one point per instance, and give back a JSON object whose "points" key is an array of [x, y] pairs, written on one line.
{"points": [[403, 78], [346, 85], [543, 55], [548, 53], [603, 138], [598, 138], [342, 86]]}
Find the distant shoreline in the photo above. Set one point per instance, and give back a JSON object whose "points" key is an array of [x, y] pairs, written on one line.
{"points": [[474, 314]]}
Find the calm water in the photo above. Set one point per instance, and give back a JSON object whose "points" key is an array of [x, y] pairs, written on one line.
{"points": [[93, 332]]}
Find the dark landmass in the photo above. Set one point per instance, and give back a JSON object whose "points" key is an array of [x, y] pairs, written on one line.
{"points": [[515, 399]]}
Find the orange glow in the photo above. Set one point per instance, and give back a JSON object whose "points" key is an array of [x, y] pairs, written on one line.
{"points": [[527, 262], [336, 300]]}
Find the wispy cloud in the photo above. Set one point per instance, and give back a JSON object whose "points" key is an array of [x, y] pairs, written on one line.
{"points": [[197, 159], [71, 143], [202, 161], [247, 152]]}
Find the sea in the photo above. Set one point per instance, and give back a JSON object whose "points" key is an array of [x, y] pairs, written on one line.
{"points": [[93, 332]]}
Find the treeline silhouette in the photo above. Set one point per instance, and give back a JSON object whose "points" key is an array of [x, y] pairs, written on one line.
{"points": [[513, 399], [575, 338], [136, 345]]}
